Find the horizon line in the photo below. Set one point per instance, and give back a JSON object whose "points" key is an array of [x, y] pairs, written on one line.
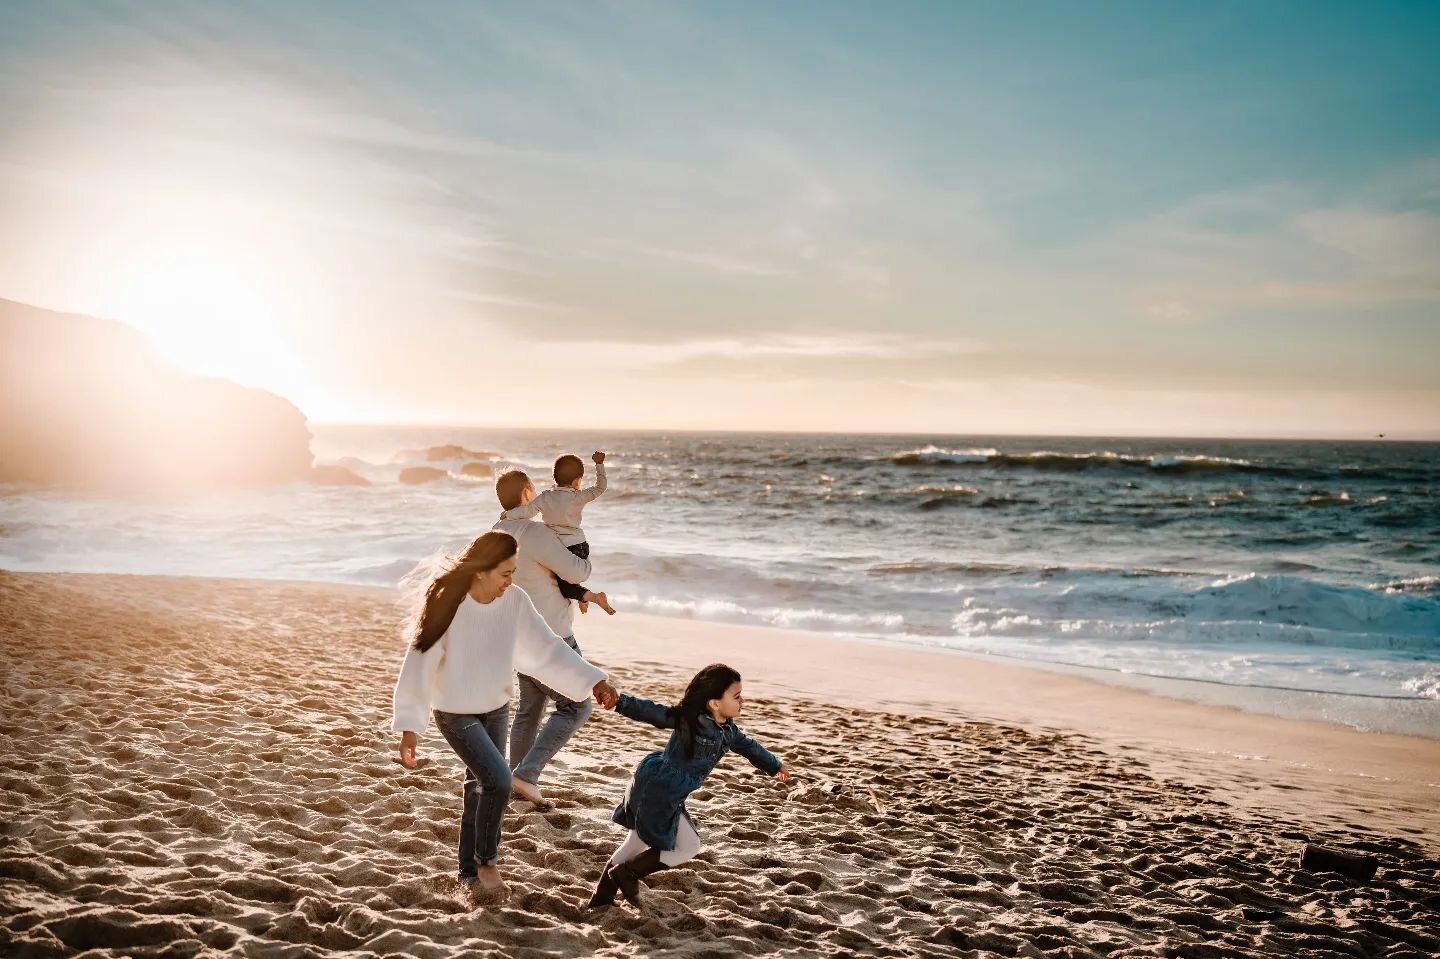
{"points": [[1403, 437]]}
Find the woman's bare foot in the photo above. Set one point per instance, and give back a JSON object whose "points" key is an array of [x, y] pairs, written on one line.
{"points": [[530, 793], [601, 600], [488, 886]]}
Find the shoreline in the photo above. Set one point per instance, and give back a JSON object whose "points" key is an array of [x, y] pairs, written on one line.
{"points": [[1420, 716]]}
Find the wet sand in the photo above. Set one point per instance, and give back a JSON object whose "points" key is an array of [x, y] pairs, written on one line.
{"points": [[203, 766]]}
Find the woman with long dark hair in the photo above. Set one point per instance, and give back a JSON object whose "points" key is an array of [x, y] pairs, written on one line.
{"points": [[470, 634], [662, 834]]}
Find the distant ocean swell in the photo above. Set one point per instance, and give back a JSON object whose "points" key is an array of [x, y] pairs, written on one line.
{"points": [[931, 456], [1178, 464]]}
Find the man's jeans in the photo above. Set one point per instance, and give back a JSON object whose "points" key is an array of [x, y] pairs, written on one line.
{"points": [[476, 740], [531, 753]]}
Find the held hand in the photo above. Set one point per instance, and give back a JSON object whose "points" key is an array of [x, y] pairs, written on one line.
{"points": [[784, 774], [408, 743], [605, 694], [598, 457]]}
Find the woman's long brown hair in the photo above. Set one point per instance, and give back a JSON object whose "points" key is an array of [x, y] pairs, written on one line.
{"points": [[452, 581]]}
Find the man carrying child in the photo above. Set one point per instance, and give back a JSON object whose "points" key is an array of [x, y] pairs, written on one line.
{"points": [[542, 559]]}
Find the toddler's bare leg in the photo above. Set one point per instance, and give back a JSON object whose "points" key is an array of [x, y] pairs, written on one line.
{"points": [[599, 599]]}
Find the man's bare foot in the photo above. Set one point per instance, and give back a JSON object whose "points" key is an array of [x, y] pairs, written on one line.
{"points": [[488, 887], [584, 606], [603, 601], [530, 793]]}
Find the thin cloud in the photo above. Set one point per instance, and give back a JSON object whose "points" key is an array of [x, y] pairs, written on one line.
{"points": [[1275, 247], [717, 262], [796, 346], [509, 302]]}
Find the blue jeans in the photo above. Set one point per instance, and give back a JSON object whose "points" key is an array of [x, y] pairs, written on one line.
{"points": [[477, 740], [532, 748]]}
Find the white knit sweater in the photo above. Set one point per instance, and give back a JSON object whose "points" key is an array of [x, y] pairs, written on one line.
{"points": [[470, 669], [542, 557]]}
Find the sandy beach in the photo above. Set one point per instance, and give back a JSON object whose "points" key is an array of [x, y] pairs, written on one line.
{"points": [[202, 766]]}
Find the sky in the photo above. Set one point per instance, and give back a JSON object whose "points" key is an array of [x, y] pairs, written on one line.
{"points": [[1217, 219]]}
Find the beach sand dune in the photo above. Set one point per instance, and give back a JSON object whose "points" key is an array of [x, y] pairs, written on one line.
{"points": [[201, 766]]}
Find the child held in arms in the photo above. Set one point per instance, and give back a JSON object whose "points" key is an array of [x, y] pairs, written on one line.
{"points": [[561, 508]]}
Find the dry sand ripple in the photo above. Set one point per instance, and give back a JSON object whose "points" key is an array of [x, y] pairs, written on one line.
{"points": [[197, 767]]}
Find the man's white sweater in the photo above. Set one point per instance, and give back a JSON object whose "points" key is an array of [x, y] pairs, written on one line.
{"points": [[469, 669], [543, 557]]}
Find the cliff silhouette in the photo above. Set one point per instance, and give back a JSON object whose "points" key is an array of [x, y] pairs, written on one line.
{"points": [[84, 403]]}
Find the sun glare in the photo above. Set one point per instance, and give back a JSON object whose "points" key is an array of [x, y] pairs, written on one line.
{"points": [[202, 313], [213, 302]]}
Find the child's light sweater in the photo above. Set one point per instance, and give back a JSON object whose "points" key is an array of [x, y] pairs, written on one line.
{"points": [[469, 668], [561, 508]]}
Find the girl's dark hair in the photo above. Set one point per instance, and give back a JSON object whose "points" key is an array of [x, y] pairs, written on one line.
{"points": [[710, 683], [452, 581]]}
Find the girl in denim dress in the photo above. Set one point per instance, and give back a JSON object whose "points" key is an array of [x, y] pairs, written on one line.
{"points": [[662, 833]]}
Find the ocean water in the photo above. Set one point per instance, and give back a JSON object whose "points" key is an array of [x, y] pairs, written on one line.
{"points": [[1307, 572]]}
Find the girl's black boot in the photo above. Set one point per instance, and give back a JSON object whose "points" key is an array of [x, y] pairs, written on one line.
{"points": [[605, 889], [628, 874]]}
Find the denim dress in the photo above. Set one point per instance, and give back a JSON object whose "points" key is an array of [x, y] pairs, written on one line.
{"points": [[655, 800]]}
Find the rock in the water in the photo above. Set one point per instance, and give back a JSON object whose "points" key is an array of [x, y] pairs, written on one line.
{"points": [[447, 451], [421, 474], [84, 403], [336, 476], [1324, 859], [477, 469]]}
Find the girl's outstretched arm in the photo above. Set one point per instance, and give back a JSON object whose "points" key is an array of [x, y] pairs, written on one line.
{"points": [[644, 711], [760, 757]]}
